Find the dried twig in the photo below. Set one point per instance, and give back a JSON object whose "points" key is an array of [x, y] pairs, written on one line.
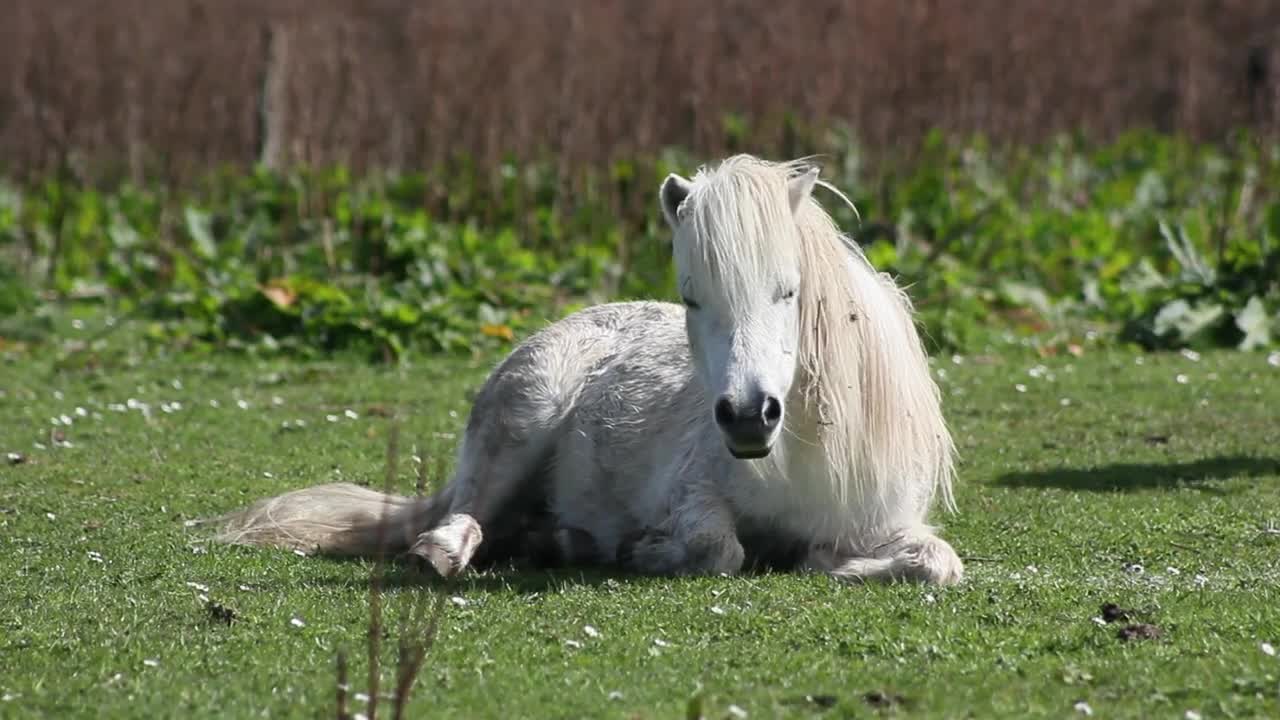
{"points": [[420, 485], [413, 643], [376, 577], [412, 654], [418, 627], [342, 686]]}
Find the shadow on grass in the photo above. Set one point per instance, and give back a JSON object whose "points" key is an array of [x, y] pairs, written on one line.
{"points": [[512, 578], [517, 577], [1126, 477]]}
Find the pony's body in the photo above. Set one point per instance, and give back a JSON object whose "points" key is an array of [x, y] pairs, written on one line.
{"points": [[601, 427]]}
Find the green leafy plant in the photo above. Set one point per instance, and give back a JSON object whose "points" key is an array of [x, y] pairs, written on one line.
{"points": [[1149, 239], [1233, 302]]}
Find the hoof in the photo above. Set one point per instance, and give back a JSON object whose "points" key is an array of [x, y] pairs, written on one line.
{"points": [[449, 547]]}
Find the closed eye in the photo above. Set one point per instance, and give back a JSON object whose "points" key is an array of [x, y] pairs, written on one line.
{"points": [[685, 286]]}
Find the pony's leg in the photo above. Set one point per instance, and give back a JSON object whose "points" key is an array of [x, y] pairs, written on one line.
{"points": [[914, 556], [698, 538], [509, 434], [556, 547], [481, 489], [698, 534]]}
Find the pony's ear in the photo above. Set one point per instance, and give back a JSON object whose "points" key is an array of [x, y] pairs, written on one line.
{"points": [[672, 194], [799, 187]]}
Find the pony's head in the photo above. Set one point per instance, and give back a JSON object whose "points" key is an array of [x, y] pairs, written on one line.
{"points": [[738, 259]]}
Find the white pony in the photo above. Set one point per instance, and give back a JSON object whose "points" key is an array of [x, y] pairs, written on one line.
{"points": [[785, 415]]}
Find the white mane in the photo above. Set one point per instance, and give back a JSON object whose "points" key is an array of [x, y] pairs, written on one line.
{"points": [[864, 386]]}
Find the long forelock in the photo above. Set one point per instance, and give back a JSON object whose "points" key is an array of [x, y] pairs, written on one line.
{"points": [[740, 225]]}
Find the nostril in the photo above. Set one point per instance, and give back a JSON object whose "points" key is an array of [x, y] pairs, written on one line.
{"points": [[724, 411], [772, 411]]}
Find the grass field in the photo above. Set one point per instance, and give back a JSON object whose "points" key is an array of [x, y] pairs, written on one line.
{"points": [[1149, 482]]}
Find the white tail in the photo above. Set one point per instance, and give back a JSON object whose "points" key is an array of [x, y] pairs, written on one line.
{"points": [[333, 519]]}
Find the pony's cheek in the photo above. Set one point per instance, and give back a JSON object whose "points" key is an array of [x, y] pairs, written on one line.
{"points": [[698, 350], [792, 340], [694, 335]]}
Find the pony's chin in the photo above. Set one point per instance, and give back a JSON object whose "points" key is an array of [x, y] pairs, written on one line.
{"points": [[751, 453]]}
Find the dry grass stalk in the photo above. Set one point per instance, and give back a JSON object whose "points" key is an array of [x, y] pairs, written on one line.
{"points": [[418, 625], [397, 83]]}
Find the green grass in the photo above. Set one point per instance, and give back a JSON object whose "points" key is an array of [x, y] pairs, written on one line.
{"points": [[1104, 462]]}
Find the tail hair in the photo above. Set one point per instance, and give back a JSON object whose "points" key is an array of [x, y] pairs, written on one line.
{"points": [[334, 519]]}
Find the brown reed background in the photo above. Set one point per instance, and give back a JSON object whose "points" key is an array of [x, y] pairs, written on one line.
{"points": [[118, 87]]}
